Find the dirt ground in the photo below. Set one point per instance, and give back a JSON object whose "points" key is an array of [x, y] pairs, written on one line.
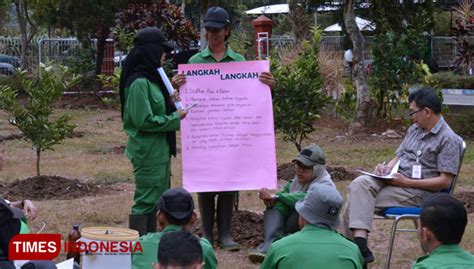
{"points": [[91, 181], [247, 227]]}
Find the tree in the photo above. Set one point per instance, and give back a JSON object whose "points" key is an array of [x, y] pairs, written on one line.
{"points": [[401, 44], [27, 28], [32, 116], [298, 99], [300, 20], [362, 87], [88, 19]]}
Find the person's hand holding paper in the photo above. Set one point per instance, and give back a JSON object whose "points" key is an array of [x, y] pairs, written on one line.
{"points": [[380, 170]]}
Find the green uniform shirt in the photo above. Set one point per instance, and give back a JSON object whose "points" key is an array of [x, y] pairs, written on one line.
{"points": [[150, 243], [446, 256], [205, 56], [313, 247], [285, 203], [146, 123]]}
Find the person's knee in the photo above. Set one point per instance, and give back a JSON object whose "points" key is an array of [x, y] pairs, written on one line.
{"points": [[360, 182]]}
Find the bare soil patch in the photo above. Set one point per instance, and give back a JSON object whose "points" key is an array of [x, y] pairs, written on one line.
{"points": [[81, 101], [51, 187], [247, 229], [467, 198]]}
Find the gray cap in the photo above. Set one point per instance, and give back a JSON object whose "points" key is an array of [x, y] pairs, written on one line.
{"points": [[321, 206], [311, 155], [216, 17]]}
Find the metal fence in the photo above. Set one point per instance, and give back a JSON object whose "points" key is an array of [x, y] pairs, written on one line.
{"points": [[60, 50], [443, 49], [39, 50], [57, 50]]}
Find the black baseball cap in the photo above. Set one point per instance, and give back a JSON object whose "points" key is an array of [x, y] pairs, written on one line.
{"points": [[153, 35], [177, 202], [216, 17]]}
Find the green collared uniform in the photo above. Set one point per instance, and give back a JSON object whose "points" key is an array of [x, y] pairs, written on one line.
{"points": [[146, 124], [286, 200], [285, 203], [150, 241], [313, 247], [446, 256], [205, 56]]}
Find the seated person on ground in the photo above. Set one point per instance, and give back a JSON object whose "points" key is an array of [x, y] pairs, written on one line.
{"points": [[318, 244], [280, 217], [428, 160], [13, 221], [440, 230], [179, 250], [175, 213]]}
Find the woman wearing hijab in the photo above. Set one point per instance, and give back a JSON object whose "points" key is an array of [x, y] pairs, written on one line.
{"points": [[150, 120], [280, 218]]}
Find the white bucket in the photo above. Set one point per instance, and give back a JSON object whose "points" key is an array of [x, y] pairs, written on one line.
{"points": [[108, 247]]}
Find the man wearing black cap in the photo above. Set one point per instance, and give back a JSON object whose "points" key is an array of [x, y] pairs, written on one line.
{"points": [[150, 121], [217, 25], [175, 212], [280, 217], [318, 244]]}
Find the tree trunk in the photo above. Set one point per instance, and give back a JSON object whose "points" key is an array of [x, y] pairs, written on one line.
{"points": [[300, 22], [100, 54], [22, 23], [38, 156], [361, 117]]}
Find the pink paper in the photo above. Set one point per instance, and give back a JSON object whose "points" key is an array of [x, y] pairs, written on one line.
{"points": [[228, 139]]}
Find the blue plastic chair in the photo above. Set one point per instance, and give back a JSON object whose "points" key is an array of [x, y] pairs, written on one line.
{"points": [[411, 213]]}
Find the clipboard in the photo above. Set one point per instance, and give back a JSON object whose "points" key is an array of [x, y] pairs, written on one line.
{"points": [[386, 177]]}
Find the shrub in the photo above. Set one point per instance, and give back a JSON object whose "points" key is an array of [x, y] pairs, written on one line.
{"points": [[32, 115], [450, 80], [298, 99]]}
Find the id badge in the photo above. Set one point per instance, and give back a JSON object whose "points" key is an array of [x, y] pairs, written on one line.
{"points": [[416, 171]]}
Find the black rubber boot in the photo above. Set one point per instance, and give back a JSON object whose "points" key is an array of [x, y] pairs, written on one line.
{"points": [[364, 249], [291, 223], [207, 210], [138, 222], [225, 204], [151, 221], [273, 227]]}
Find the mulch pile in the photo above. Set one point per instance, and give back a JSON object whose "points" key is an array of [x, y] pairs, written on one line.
{"points": [[51, 187], [338, 173]]}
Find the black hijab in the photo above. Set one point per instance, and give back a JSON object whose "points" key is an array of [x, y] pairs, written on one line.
{"points": [[142, 61]]}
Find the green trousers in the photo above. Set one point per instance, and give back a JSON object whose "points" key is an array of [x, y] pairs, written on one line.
{"points": [[151, 180]]}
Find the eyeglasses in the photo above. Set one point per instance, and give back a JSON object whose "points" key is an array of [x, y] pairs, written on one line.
{"points": [[302, 168], [414, 112]]}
